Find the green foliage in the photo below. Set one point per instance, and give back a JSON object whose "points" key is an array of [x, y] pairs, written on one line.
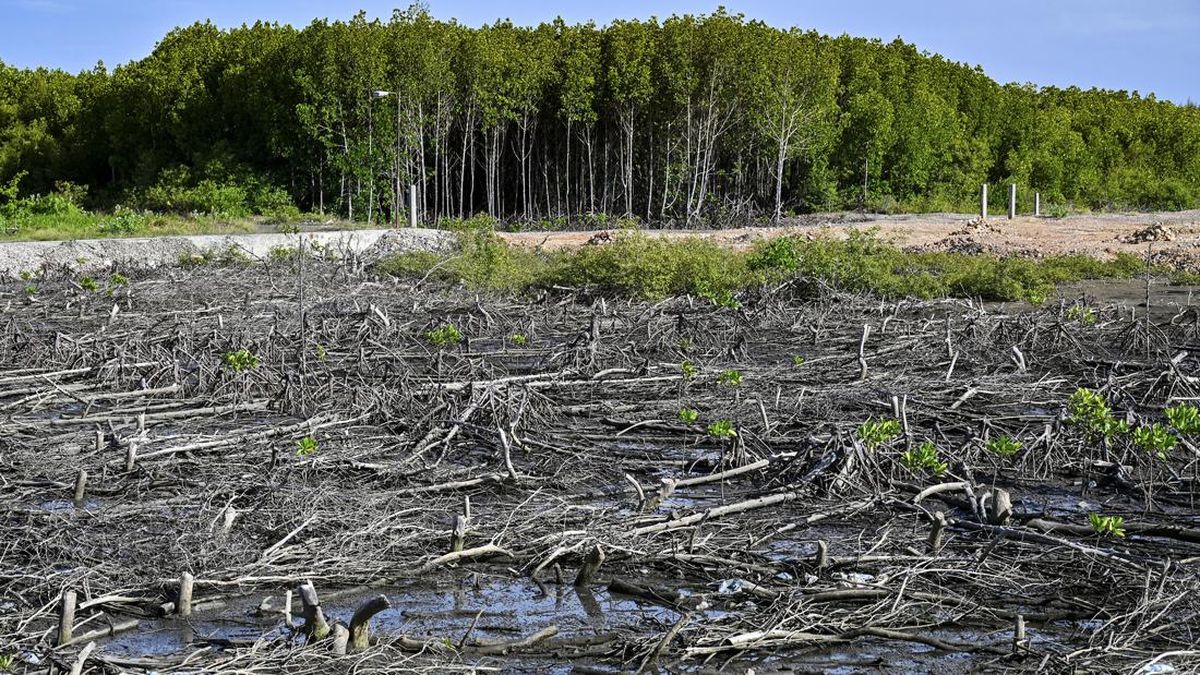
{"points": [[1107, 526], [240, 360], [7, 661], [797, 360], [730, 378], [1089, 411], [1082, 314], [1004, 446], [689, 370], [446, 335], [722, 429], [118, 279], [1155, 439], [518, 339], [874, 433], [88, 284], [924, 457], [306, 446], [688, 415], [1184, 418], [31, 289]]}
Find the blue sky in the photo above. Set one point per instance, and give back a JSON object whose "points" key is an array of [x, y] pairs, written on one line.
{"points": [[1147, 45]]}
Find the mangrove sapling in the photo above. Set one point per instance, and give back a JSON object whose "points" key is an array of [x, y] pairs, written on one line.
{"points": [[306, 446], [874, 433], [722, 429], [924, 457], [689, 370], [1107, 526], [1089, 411], [1083, 314], [797, 360], [1155, 439], [1004, 446], [1184, 418], [88, 284], [689, 415], [730, 378], [240, 360], [446, 335], [518, 339]]}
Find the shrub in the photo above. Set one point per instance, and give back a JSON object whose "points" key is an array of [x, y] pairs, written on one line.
{"points": [[1184, 418], [306, 446], [1089, 411], [1155, 439]]}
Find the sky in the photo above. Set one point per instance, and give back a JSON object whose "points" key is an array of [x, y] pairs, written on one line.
{"points": [[1144, 45]]}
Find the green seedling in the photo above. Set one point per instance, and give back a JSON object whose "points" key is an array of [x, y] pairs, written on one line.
{"points": [[118, 279], [1089, 411], [88, 284], [1155, 439], [31, 289], [923, 458], [688, 415], [519, 339], [874, 433], [1107, 526], [1184, 418], [797, 361], [1084, 315], [1005, 446], [444, 336], [722, 429], [689, 370], [240, 360], [306, 446], [730, 378]]}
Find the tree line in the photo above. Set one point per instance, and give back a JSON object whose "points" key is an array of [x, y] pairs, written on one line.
{"points": [[690, 119]]}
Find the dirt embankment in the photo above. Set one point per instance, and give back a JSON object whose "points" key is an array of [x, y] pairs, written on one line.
{"points": [[1174, 239], [1174, 235], [150, 252]]}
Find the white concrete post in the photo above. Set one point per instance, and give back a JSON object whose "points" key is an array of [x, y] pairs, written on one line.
{"points": [[983, 202], [1037, 204], [412, 205], [1012, 201]]}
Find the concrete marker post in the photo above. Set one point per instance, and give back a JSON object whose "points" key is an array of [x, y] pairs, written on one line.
{"points": [[983, 202], [1012, 201]]}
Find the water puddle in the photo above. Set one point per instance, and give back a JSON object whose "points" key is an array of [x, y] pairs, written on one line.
{"points": [[507, 609]]}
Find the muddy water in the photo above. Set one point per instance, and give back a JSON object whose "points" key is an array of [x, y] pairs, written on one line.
{"points": [[507, 609]]}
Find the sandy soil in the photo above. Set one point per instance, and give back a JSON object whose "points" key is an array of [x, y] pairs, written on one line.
{"points": [[1175, 238], [1176, 235]]}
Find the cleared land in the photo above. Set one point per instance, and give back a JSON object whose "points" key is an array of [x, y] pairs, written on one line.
{"points": [[1173, 234], [259, 427]]}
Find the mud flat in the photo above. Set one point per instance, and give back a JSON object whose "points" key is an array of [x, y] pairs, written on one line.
{"points": [[865, 486]]}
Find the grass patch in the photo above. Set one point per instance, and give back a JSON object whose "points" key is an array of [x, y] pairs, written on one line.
{"points": [[652, 268]]}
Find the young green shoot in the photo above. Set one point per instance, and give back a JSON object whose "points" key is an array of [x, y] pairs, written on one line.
{"points": [[722, 429], [730, 378], [923, 458], [1184, 418], [874, 433], [1155, 439], [306, 446], [689, 415], [1107, 526], [240, 360], [1004, 446], [446, 335]]}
